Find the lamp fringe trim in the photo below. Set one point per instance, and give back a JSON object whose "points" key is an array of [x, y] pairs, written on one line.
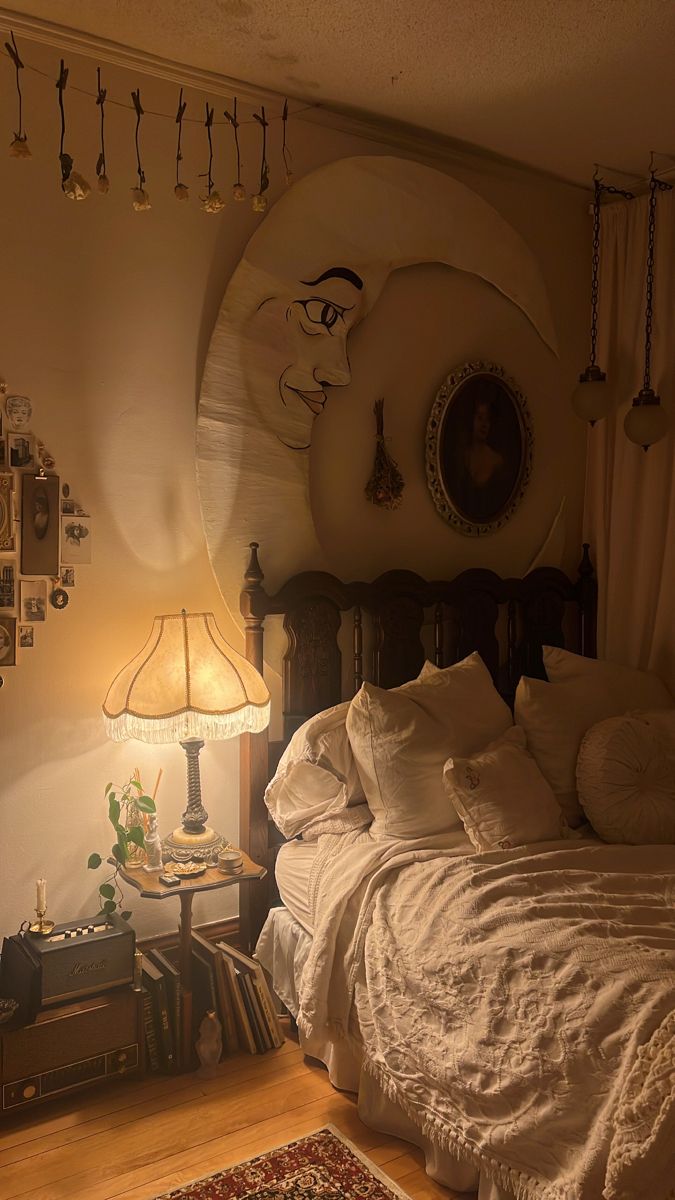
{"points": [[210, 727]]}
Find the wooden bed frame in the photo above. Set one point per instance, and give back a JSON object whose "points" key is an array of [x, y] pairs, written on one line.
{"points": [[506, 620]]}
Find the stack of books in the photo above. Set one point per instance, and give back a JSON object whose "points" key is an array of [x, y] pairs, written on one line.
{"points": [[224, 980]]}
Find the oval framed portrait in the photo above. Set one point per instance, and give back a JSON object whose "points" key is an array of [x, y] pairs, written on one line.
{"points": [[478, 448]]}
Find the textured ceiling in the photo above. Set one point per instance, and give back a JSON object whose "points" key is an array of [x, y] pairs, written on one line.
{"points": [[557, 84]]}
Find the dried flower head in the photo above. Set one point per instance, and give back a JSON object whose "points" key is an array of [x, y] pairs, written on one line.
{"points": [[259, 203], [103, 184], [213, 203], [75, 187], [19, 147], [239, 191], [181, 191], [141, 199]]}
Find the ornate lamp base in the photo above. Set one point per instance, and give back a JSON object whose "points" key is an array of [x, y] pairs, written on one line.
{"points": [[194, 838]]}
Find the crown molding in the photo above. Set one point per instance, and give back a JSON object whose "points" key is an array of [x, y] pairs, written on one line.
{"points": [[410, 139]]}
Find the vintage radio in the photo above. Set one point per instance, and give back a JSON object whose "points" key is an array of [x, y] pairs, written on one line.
{"points": [[76, 959]]}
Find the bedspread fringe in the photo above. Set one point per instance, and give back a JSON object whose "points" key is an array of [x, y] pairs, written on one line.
{"points": [[517, 1183]]}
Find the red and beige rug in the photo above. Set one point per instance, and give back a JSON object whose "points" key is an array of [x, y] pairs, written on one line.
{"points": [[322, 1166]]}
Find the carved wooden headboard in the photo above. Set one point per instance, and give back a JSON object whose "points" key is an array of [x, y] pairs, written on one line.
{"points": [[392, 624]]}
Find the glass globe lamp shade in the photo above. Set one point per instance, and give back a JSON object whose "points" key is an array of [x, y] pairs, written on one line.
{"points": [[591, 398], [646, 421]]}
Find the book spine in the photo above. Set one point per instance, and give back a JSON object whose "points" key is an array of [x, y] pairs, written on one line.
{"points": [[151, 1047], [164, 1027], [241, 1018], [227, 1008], [269, 1015], [252, 1021], [263, 1040]]}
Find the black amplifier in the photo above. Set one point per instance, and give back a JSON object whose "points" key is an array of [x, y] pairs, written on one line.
{"points": [[76, 959]]}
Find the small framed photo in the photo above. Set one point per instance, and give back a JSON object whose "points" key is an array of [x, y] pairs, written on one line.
{"points": [[19, 411], [26, 637], [6, 513], [3, 453], [75, 540], [21, 451], [40, 525], [33, 600], [67, 577], [7, 584], [7, 642]]}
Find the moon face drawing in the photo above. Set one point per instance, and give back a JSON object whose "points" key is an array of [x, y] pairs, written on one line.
{"points": [[279, 351]]}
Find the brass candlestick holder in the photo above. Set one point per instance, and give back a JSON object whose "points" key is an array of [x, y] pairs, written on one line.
{"points": [[41, 927]]}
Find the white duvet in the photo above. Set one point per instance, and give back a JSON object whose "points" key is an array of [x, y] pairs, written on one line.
{"points": [[518, 1005]]}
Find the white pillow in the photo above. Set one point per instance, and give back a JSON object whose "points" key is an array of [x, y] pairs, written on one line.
{"points": [[317, 777], [401, 740], [626, 779], [556, 715], [502, 796]]}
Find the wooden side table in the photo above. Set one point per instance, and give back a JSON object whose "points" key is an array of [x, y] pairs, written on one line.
{"points": [[151, 888]]}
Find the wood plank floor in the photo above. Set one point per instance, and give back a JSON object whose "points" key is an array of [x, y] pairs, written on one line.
{"points": [[139, 1139]]}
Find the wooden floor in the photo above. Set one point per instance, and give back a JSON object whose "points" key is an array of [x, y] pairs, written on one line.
{"points": [[138, 1140]]}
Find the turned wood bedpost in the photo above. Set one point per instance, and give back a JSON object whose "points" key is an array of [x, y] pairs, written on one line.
{"points": [[253, 768]]}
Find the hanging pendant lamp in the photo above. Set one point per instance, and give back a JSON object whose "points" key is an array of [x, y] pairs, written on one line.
{"points": [[646, 421], [591, 399]]}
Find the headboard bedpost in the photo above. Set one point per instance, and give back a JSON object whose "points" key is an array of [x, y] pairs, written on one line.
{"points": [[253, 767], [588, 604]]}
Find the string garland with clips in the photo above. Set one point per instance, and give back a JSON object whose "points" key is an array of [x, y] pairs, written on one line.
{"points": [[44, 532], [74, 184]]}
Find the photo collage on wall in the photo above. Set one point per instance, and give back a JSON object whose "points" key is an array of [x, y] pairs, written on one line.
{"points": [[44, 533]]}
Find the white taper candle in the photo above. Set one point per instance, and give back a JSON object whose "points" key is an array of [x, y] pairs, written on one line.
{"points": [[41, 895]]}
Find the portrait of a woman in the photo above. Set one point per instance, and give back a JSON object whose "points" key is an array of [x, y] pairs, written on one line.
{"points": [[480, 448]]}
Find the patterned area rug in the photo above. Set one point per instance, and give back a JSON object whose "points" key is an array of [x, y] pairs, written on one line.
{"points": [[322, 1166]]}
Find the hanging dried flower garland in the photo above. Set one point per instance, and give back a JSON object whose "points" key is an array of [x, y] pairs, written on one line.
{"points": [[238, 190], [141, 199], [101, 173], [260, 199], [19, 147], [285, 152], [212, 201], [73, 185], [180, 191], [386, 484]]}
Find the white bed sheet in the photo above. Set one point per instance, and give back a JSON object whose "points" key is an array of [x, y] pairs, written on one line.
{"points": [[293, 867]]}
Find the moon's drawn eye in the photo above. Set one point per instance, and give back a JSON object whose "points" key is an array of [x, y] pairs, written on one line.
{"points": [[321, 312]]}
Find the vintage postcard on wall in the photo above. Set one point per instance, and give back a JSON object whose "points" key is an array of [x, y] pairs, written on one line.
{"points": [[40, 525], [33, 600], [26, 637], [75, 540], [21, 450], [6, 513], [67, 577], [7, 642], [7, 584]]}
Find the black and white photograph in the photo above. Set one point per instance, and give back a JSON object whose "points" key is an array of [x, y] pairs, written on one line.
{"points": [[7, 584], [67, 577], [75, 539], [40, 525], [26, 637], [7, 641], [72, 508], [19, 411], [33, 600], [6, 513], [21, 451]]}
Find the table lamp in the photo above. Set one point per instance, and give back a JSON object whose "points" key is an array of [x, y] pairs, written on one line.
{"points": [[186, 685]]}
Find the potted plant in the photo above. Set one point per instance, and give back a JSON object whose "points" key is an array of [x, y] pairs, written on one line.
{"points": [[127, 805]]}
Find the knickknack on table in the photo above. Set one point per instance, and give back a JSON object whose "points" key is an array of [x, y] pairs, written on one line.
{"points": [[44, 532]]}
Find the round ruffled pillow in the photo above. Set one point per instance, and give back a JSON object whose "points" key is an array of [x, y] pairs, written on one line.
{"points": [[626, 778]]}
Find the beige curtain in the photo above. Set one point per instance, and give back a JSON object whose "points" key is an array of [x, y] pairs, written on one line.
{"points": [[630, 493]]}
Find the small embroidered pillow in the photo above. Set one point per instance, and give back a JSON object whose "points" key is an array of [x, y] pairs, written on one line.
{"points": [[502, 796]]}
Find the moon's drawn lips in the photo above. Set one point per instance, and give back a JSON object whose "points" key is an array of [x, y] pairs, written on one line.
{"points": [[314, 400]]}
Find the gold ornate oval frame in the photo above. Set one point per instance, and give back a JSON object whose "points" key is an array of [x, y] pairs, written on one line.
{"points": [[449, 477]]}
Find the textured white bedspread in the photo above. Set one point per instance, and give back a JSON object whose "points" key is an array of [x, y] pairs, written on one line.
{"points": [[518, 1005]]}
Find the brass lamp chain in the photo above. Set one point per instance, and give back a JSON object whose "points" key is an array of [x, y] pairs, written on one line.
{"points": [[655, 185], [595, 269]]}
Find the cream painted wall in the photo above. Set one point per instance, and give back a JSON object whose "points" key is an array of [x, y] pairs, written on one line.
{"points": [[105, 319]]}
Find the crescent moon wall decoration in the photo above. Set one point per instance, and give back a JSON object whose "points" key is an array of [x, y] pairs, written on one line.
{"points": [[309, 274]]}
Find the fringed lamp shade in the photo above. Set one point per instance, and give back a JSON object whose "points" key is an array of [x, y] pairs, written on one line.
{"points": [[187, 685], [187, 682]]}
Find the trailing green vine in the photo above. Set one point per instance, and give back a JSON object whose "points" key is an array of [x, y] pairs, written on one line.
{"points": [[126, 806]]}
